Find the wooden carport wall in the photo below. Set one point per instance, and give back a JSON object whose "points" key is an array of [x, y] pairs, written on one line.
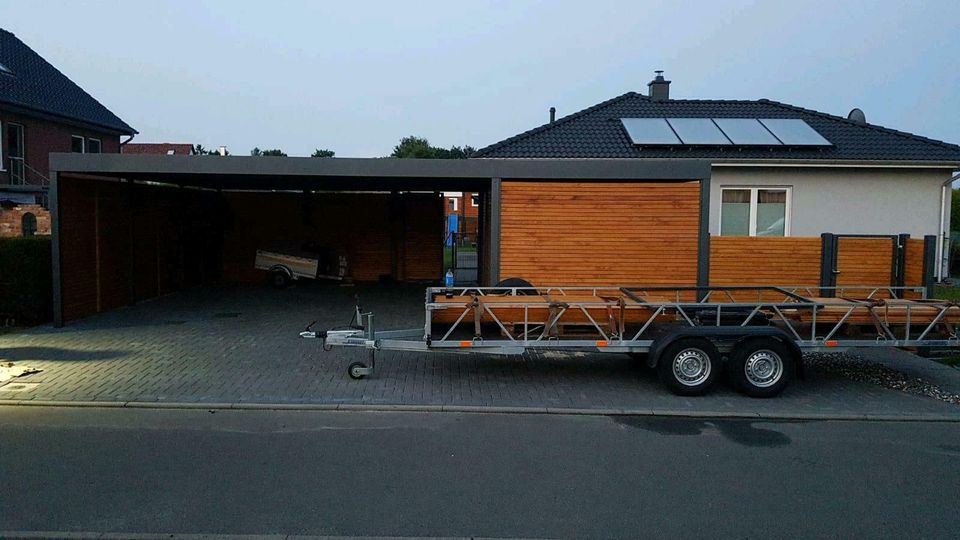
{"points": [[346, 174]]}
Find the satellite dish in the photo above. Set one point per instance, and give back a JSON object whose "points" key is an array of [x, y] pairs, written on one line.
{"points": [[857, 116]]}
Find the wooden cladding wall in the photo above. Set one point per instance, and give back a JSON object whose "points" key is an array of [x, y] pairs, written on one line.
{"points": [[759, 260], [381, 235], [913, 271], [865, 261], [121, 243], [600, 233]]}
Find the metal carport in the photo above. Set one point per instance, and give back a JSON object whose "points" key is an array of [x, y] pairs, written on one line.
{"points": [[97, 202]]}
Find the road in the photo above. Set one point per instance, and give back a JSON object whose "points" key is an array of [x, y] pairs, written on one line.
{"points": [[489, 475]]}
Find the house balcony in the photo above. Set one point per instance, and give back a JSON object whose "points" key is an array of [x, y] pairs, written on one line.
{"points": [[18, 175]]}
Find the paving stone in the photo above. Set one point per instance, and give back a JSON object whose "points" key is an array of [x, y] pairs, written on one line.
{"points": [[134, 355]]}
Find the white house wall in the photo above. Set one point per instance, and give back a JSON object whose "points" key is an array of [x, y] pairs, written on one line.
{"points": [[845, 201]]}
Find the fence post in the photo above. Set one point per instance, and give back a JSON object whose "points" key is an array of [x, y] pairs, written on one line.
{"points": [[828, 255], [929, 262], [900, 260]]}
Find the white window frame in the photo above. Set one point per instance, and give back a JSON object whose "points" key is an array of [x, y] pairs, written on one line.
{"points": [[83, 143], [87, 145], [23, 151], [454, 201], [754, 197], [475, 200]]}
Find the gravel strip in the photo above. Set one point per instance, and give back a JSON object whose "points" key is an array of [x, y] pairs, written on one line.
{"points": [[856, 368]]}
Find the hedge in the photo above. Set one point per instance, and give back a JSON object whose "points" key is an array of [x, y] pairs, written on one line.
{"points": [[26, 281]]}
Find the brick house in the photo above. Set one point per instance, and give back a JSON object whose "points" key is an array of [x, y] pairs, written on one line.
{"points": [[465, 207], [159, 149], [42, 111]]}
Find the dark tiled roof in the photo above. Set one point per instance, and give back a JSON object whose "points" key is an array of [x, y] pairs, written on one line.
{"points": [[596, 132], [36, 85], [179, 149]]}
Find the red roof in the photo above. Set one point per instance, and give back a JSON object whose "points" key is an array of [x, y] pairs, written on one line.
{"points": [[158, 148]]}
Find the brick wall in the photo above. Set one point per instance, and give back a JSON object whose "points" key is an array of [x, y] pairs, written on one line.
{"points": [[41, 137], [11, 220]]}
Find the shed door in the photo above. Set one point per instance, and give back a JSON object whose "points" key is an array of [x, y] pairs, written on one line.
{"points": [[600, 233]]}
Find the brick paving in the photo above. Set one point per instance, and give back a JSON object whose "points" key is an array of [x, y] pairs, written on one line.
{"points": [[240, 345]]}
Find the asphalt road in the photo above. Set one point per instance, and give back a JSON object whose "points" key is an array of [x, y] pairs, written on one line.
{"points": [[447, 474]]}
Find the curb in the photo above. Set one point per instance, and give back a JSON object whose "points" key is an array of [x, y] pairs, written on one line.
{"points": [[360, 407]]}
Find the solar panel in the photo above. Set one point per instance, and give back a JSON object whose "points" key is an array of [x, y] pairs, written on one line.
{"points": [[746, 131], [649, 131], [794, 132], [698, 131]]}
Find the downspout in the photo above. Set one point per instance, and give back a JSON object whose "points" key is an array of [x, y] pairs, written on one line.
{"points": [[124, 143], [943, 245]]}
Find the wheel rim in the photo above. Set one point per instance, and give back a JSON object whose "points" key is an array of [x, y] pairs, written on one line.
{"points": [[763, 368], [692, 367]]}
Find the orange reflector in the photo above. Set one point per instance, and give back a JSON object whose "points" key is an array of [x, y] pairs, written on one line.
{"points": [[466, 344], [602, 344], [831, 343]]}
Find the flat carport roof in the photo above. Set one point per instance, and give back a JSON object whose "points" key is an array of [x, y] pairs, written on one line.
{"points": [[356, 174], [362, 174]]}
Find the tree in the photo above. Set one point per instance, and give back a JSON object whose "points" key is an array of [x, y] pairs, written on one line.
{"points": [[199, 150], [323, 153], [274, 152], [419, 147]]}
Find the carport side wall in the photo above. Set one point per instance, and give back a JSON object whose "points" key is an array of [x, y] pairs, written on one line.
{"points": [[384, 236], [120, 243], [600, 233]]}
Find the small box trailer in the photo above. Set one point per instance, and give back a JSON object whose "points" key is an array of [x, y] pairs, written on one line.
{"points": [[286, 265], [691, 335]]}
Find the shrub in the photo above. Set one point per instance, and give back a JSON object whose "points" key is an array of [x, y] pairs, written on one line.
{"points": [[26, 280]]}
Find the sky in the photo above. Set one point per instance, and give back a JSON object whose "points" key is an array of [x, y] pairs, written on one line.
{"points": [[356, 76]]}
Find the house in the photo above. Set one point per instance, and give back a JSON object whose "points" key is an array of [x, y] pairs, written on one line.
{"points": [[159, 149], [778, 170], [462, 217], [42, 111]]}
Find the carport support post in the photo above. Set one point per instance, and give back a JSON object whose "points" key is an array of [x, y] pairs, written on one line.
{"points": [[495, 200], [53, 202], [703, 242], [929, 263], [828, 254]]}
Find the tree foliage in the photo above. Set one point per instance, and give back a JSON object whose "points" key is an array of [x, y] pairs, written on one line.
{"points": [[419, 147], [199, 150], [274, 152], [323, 153]]}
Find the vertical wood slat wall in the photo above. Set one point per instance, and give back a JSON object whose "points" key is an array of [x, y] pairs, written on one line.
{"points": [[600, 233]]}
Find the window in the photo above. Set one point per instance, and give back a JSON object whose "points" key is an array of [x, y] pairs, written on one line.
{"points": [[474, 200], [755, 212], [28, 225], [76, 144], [453, 204], [15, 153], [93, 146]]}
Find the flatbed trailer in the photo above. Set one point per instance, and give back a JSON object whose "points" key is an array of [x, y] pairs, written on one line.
{"points": [[690, 334]]}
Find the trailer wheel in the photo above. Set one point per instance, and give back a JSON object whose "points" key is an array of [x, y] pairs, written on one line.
{"points": [[689, 366], [354, 370], [761, 367], [279, 278]]}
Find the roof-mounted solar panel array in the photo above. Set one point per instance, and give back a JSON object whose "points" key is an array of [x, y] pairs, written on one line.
{"points": [[722, 132]]}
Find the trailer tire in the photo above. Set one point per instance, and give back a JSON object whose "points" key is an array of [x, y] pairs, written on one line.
{"points": [[689, 366], [279, 278], [761, 367], [353, 370]]}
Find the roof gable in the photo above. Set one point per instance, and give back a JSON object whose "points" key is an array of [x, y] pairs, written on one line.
{"points": [[31, 83], [596, 132]]}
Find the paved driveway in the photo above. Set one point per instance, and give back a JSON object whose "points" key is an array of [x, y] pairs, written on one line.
{"points": [[240, 345]]}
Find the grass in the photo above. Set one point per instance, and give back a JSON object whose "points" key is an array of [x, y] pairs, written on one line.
{"points": [[946, 292]]}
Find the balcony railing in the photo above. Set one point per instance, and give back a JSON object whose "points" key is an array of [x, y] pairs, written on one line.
{"points": [[20, 173]]}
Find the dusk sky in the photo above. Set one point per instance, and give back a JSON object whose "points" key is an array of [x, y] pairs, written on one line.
{"points": [[355, 77]]}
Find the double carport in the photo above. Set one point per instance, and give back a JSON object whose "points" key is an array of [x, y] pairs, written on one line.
{"points": [[128, 228]]}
